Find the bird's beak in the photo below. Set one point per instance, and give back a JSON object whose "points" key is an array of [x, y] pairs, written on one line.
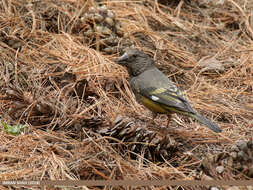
{"points": [[122, 58]]}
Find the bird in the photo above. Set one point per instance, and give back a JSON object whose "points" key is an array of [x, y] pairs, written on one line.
{"points": [[155, 90]]}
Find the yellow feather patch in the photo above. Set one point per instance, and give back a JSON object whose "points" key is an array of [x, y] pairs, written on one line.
{"points": [[170, 98], [158, 108], [173, 93], [158, 91], [155, 107]]}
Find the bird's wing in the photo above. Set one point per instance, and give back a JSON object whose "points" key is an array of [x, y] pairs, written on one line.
{"points": [[171, 99], [154, 85]]}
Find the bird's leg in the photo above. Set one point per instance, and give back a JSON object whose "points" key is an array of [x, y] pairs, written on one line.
{"points": [[168, 120]]}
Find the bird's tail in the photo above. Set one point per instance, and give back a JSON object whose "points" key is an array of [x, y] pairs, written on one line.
{"points": [[207, 122]]}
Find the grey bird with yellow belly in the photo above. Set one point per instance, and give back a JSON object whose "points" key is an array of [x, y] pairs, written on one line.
{"points": [[155, 90]]}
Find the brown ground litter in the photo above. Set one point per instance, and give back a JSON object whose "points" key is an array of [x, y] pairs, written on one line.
{"points": [[59, 79]]}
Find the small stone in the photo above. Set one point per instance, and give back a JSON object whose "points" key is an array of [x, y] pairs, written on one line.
{"points": [[103, 30], [118, 26], [110, 49], [98, 17], [220, 169], [214, 188], [109, 21], [99, 29], [233, 188], [85, 17], [242, 145], [110, 14], [88, 33], [119, 30], [92, 9], [106, 31]]}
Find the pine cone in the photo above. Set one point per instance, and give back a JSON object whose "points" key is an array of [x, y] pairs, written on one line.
{"points": [[104, 29], [139, 139]]}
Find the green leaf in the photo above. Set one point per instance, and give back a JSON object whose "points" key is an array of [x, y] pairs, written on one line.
{"points": [[13, 130]]}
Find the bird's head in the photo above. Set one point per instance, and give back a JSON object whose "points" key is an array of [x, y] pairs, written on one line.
{"points": [[136, 61]]}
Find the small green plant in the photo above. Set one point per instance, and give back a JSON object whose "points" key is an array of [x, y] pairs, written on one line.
{"points": [[13, 130]]}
